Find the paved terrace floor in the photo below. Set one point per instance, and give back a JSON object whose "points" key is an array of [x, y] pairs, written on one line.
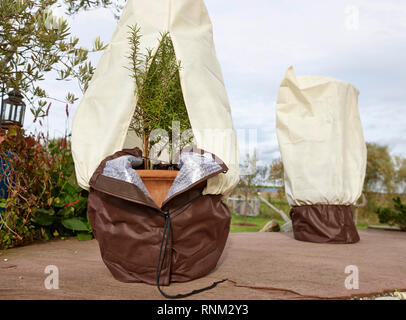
{"points": [[258, 265]]}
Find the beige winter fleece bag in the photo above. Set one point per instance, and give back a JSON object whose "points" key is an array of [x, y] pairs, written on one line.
{"points": [[100, 126], [324, 155]]}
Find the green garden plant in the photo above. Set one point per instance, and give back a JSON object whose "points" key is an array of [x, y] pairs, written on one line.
{"points": [[36, 44], [44, 200], [395, 216], [160, 101]]}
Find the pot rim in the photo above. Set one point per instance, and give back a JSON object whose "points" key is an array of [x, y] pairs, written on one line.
{"points": [[157, 174]]}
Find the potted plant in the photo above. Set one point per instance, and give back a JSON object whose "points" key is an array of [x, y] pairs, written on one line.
{"points": [[160, 105]]}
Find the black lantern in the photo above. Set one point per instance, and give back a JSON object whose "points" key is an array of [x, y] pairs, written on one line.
{"points": [[12, 110]]}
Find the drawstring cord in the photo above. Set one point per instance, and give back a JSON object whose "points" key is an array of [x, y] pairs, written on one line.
{"points": [[164, 244]]}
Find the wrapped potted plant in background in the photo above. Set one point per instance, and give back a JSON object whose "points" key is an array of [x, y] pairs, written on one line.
{"points": [[160, 108]]}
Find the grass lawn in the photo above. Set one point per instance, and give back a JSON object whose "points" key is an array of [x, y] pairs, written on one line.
{"points": [[259, 221], [367, 215]]}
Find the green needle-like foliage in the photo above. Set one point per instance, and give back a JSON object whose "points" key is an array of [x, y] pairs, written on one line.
{"points": [[159, 93]]}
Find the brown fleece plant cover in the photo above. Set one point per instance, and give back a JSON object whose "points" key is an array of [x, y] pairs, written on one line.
{"points": [[129, 226], [324, 155]]}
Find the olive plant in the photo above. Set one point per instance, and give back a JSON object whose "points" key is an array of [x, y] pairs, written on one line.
{"points": [[36, 44]]}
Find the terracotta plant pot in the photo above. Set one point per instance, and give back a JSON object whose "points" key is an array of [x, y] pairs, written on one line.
{"points": [[158, 183]]}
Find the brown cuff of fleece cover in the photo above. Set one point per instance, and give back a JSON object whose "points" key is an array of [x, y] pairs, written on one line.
{"points": [[324, 224]]}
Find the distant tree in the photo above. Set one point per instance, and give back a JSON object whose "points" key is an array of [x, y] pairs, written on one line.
{"points": [[252, 176], [277, 177], [380, 171], [400, 177], [276, 173]]}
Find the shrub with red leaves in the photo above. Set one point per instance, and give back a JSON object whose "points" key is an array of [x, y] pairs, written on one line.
{"points": [[44, 200]]}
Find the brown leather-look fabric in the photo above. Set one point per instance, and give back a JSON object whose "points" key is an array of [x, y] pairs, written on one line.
{"points": [[129, 229], [324, 224]]}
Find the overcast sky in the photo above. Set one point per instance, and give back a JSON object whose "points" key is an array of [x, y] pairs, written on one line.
{"points": [[362, 42]]}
